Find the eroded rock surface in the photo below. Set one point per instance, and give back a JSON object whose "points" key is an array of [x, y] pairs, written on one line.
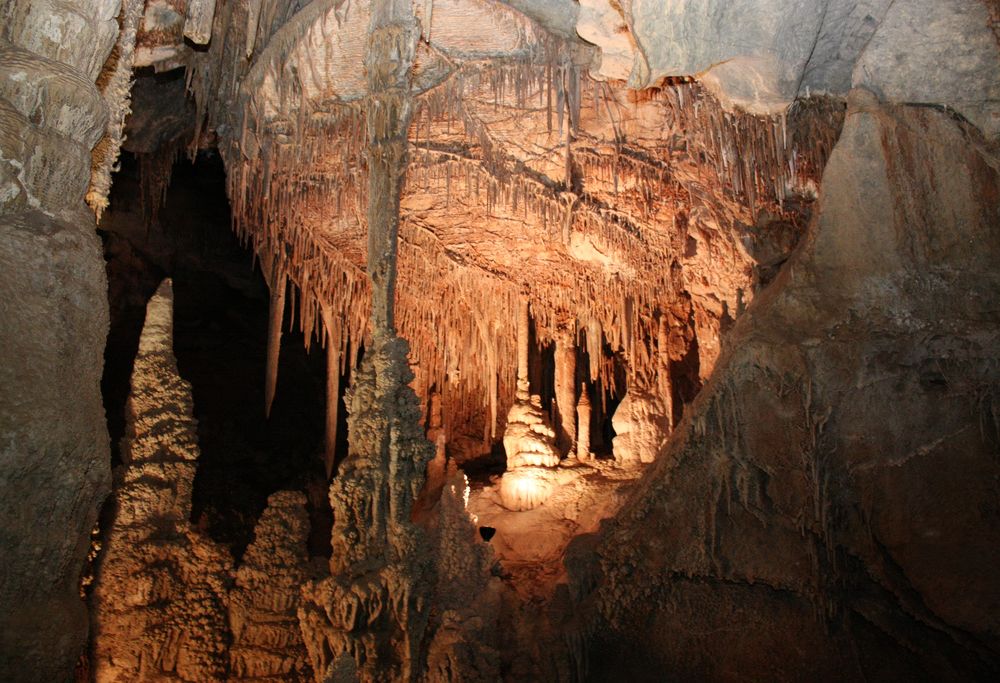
{"points": [[642, 426], [53, 322]]}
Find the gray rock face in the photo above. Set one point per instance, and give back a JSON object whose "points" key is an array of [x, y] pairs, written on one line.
{"points": [[847, 27], [936, 52], [53, 439], [761, 55], [752, 53], [53, 321]]}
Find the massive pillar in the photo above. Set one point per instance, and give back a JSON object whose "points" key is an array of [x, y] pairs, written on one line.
{"points": [[565, 358], [53, 324], [380, 566]]}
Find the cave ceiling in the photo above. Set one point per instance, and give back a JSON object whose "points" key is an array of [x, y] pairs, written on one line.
{"points": [[533, 172]]}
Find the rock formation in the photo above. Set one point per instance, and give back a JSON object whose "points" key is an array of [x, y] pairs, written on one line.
{"points": [[528, 440], [642, 426], [768, 228], [53, 322], [263, 604], [882, 559], [160, 592]]}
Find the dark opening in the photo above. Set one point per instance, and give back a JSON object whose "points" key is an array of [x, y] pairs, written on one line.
{"points": [[220, 324]]}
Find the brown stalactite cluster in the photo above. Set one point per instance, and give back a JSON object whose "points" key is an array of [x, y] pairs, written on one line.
{"points": [[491, 143]]}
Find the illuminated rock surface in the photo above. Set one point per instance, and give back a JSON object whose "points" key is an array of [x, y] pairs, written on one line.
{"points": [[160, 591], [758, 244]]}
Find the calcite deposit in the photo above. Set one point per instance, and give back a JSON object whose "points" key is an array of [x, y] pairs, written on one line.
{"points": [[665, 331], [161, 588]]}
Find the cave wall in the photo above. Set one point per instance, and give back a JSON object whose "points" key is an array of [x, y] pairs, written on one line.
{"points": [[829, 508], [850, 427], [53, 322]]}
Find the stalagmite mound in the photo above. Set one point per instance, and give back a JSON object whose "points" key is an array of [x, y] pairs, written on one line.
{"points": [[263, 604], [642, 426], [529, 439]]}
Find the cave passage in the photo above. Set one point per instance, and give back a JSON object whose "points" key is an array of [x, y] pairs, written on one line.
{"points": [[220, 325]]}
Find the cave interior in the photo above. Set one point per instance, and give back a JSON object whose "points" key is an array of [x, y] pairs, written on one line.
{"points": [[500, 340]]}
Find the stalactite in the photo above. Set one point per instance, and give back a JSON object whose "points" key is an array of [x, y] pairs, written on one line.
{"points": [[333, 370], [275, 318], [523, 322], [288, 166], [664, 387], [253, 20], [565, 389]]}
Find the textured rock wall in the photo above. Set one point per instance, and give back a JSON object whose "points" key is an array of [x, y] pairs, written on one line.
{"points": [[762, 55], [53, 321], [829, 507]]}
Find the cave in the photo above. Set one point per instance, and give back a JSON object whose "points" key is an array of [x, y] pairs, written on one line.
{"points": [[499, 340]]}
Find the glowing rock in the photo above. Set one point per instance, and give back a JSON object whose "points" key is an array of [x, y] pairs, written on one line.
{"points": [[526, 487], [529, 439]]}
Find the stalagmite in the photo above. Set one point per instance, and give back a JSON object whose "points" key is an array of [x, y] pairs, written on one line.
{"points": [[523, 322], [529, 439], [263, 605], [583, 414], [641, 426], [160, 593], [565, 358], [276, 315]]}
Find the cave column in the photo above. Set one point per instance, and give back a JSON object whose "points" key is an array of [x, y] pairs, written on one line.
{"points": [[377, 551], [390, 54], [565, 386], [583, 414], [523, 322]]}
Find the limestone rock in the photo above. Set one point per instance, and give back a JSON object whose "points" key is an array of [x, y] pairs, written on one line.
{"points": [[371, 612], [751, 53], [790, 491], [936, 52], [53, 320], [642, 426]]}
